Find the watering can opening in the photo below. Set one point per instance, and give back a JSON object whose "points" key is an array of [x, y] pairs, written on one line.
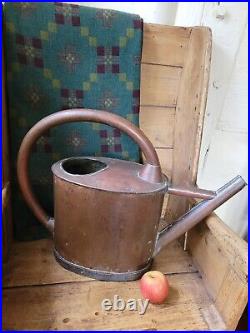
{"points": [[82, 166]]}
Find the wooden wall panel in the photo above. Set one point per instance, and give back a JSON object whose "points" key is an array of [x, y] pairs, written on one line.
{"points": [[166, 159], [159, 85], [164, 52], [165, 45], [158, 124], [190, 110]]}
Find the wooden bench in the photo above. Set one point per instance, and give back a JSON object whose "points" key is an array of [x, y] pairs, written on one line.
{"points": [[208, 281]]}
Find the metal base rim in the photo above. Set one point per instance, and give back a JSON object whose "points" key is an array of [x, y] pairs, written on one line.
{"points": [[101, 275]]}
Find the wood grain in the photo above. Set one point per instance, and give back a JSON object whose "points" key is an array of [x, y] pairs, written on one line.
{"points": [[165, 45], [166, 159], [77, 305], [159, 85], [23, 272], [158, 124], [222, 259], [189, 116], [39, 294]]}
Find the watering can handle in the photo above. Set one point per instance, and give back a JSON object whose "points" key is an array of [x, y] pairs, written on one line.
{"points": [[151, 171]]}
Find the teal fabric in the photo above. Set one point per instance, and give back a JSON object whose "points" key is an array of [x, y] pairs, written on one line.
{"points": [[61, 56]]}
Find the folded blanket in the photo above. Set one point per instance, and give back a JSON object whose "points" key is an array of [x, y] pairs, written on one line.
{"points": [[61, 56]]}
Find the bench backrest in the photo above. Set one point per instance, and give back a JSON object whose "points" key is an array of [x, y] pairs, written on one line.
{"points": [[174, 83]]}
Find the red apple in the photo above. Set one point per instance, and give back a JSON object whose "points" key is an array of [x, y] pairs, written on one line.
{"points": [[154, 286]]}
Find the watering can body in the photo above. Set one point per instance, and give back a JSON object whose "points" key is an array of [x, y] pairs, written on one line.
{"points": [[107, 211], [106, 222]]}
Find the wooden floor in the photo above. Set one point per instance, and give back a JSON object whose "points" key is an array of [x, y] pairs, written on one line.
{"points": [[39, 294]]}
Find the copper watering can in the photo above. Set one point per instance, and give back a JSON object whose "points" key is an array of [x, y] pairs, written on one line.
{"points": [[107, 211]]}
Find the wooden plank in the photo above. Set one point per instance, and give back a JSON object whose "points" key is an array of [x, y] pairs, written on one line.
{"points": [[166, 160], [222, 259], [190, 111], [213, 244], [158, 125], [159, 85], [165, 45], [33, 263], [232, 299], [77, 305], [234, 247], [165, 202]]}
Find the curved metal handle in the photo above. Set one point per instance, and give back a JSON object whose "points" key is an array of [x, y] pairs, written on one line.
{"points": [[150, 172]]}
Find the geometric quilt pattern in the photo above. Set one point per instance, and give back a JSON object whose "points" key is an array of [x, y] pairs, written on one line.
{"points": [[61, 56]]}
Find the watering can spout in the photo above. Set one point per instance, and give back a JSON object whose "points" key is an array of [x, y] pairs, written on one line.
{"points": [[212, 201]]}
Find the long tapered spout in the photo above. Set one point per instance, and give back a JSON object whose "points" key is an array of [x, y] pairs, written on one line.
{"points": [[198, 213]]}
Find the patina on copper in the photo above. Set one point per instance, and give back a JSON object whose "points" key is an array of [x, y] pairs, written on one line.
{"points": [[107, 211]]}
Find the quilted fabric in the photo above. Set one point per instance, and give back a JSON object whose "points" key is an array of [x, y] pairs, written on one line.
{"points": [[61, 56]]}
